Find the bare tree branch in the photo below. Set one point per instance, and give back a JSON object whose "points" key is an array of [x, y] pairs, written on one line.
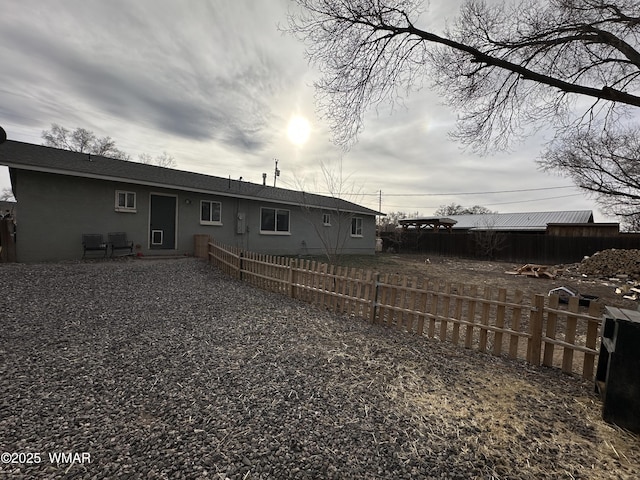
{"points": [[370, 50], [85, 141], [508, 68], [605, 164]]}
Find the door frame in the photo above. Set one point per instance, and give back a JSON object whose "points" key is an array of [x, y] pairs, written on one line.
{"points": [[175, 240]]}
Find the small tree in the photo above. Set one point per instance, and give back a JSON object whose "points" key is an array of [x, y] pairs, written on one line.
{"points": [[390, 232], [164, 160], [333, 236], [488, 240], [391, 221]]}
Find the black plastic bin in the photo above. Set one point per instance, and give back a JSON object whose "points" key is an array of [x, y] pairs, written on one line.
{"points": [[618, 373]]}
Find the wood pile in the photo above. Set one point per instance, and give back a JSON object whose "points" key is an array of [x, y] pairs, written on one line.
{"points": [[538, 271], [620, 263], [630, 292]]}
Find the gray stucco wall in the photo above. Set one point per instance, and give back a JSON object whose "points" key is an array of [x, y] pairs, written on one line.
{"points": [[305, 232], [55, 210]]}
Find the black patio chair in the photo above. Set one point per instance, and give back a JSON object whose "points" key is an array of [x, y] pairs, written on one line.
{"points": [[118, 241], [93, 242]]}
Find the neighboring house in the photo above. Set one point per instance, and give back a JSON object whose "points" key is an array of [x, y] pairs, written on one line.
{"points": [[63, 195], [521, 221], [504, 222]]}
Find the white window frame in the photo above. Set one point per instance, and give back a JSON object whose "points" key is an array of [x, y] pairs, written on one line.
{"points": [[356, 227], [126, 206], [275, 213], [326, 219], [211, 222]]}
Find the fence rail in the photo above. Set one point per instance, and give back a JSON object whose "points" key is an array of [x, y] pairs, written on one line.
{"points": [[494, 321]]}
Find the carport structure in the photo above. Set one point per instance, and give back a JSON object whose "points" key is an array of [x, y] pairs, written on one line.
{"points": [[433, 223]]}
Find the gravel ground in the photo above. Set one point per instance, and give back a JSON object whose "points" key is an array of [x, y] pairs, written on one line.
{"points": [[167, 369]]}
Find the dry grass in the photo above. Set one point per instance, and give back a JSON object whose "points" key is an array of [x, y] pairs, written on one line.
{"points": [[503, 414], [518, 420]]}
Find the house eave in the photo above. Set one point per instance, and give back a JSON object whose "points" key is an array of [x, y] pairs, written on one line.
{"points": [[234, 194]]}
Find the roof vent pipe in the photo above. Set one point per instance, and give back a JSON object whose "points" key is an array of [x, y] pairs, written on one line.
{"points": [[264, 179]]}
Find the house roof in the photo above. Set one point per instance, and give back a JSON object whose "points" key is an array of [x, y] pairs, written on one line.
{"points": [[40, 158], [525, 221]]}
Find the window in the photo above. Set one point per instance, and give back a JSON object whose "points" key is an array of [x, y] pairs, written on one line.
{"points": [[326, 219], [125, 201], [274, 220], [356, 227], [210, 213]]}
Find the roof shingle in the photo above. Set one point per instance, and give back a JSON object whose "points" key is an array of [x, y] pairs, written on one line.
{"points": [[47, 159]]}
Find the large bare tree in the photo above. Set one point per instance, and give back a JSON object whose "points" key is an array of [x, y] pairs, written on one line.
{"points": [[457, 209], [85, 141], [508, 68]]}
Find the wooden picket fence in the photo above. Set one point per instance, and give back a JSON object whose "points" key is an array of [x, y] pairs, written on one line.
{"points": [[539, 331]]}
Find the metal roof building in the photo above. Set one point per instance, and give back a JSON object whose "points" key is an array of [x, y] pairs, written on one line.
{"points": [[513, 222]]}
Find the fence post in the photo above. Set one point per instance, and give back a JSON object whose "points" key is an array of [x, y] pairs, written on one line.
{"points": [[374, 297], [240, 264], [570, 335], [592, 336], [552, 320], [535, 330], [292, 277]]}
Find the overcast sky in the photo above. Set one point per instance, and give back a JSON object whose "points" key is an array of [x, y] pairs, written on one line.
{"points": [[215, 84]]}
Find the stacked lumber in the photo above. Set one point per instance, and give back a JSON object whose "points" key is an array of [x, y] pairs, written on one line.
{"points": [[630, 292], [620, 263], [538, 271]]}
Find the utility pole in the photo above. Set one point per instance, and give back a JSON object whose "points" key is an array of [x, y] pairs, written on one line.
{"points": [[276, 172], [379, 217]]}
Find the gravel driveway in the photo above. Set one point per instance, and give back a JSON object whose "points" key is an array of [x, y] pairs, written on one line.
{"points": [[167, 369]]}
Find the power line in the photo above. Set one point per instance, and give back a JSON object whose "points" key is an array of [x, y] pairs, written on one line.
{"points": [[537, 199], [463, 193], [501, 203]]}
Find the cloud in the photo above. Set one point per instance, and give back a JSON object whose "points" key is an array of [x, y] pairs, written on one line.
{"points": [[215, 83], [190, 72]]}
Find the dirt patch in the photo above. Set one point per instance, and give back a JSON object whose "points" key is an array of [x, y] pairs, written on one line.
{"points": [[483, 273]]}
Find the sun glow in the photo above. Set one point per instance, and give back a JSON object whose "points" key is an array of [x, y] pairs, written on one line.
{"points": [[298, 130]]}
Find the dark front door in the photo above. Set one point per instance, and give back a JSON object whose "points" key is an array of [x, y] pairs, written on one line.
{"points": [[163, 222]]}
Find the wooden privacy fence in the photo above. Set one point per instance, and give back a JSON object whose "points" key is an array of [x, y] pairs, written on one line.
{"points": [[495, 321], [511, 247]]}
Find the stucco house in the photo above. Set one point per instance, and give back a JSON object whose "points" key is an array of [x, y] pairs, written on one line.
{"points": [[63, 195]]}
